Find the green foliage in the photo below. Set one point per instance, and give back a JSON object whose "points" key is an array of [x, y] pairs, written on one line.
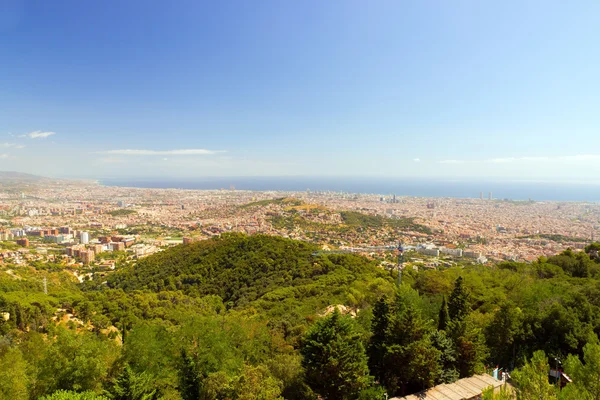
{"points": [[505, 393], [273, 273], [577, 265], [411, 362], [122, 212], [256, 383], [71, 395], [531, 380], [227, 318], [75, 361], [402, 355], [503, 333], [376, 349], [224, 266], [470, 348], [458, 303], [287, 368], [9, 246], [288, 201], [444, 316], [448, 357], [13, 374], [592, 247], [334, 358], [373, 393], [149, 350], [557, 238], [586, 375], [359, 220], [129, 385]]}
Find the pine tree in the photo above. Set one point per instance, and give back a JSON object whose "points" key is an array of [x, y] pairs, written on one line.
{"points": [[448, 357], [379, 327], [129, 385], [411, 361], [503, 332], [458, 303], [334, 358], [470, 347], [531, 380], [586, 377]]}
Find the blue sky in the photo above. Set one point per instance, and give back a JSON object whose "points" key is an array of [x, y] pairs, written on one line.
{"points": [[143, 88]]}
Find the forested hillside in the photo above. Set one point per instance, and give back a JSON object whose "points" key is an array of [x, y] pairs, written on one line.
{"points": [[254, 317]]}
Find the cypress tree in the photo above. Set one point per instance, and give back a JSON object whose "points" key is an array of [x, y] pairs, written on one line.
{"points": [[444, 316]]}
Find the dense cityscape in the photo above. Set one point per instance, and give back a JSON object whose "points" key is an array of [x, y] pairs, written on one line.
{"points": [[82, 223]]}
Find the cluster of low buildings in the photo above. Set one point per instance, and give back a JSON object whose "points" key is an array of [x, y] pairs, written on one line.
{"points": [[76, 244]]}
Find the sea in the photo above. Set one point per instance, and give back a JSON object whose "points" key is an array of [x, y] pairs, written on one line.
{"points": [[499, 189]]}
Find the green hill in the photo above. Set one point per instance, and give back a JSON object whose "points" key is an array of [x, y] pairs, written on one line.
{"points": [[242, 269]]}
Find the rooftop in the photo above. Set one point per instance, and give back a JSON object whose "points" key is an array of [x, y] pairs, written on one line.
{"points": [[466, 388]]}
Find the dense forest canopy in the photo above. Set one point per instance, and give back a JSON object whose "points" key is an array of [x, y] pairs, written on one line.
{"points": [[262, 317]]}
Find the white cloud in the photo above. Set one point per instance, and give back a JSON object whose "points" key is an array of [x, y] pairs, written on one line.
{"points": [[16, 146], [182, 152], [38, 135], [452, 162], [416, 159], [4, 156]]}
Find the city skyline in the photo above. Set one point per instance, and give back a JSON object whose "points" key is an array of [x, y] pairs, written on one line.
{"points": [[496, 90]]}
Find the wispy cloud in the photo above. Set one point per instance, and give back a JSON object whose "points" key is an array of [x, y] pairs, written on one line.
{"points": [[38, 135], [13, 145], [581, 157], [510, 160], [4, 156], [181, 152], [416, 159]]}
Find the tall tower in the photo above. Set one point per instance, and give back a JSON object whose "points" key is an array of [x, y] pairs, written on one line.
{"points": [[480, 195], [490, 196]]}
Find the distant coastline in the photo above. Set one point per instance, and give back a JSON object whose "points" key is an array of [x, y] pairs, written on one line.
{"points": [[511, 190]]}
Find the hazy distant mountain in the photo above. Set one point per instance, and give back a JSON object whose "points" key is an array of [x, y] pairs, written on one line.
{"points": [[13, 176]]}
